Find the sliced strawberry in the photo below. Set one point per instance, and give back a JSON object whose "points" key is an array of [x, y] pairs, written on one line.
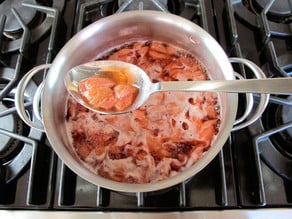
{"points": [[126, 95], [95, 82], [100, 97]]}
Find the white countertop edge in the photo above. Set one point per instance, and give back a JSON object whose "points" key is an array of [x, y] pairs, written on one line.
{"points": [[281, 213]]}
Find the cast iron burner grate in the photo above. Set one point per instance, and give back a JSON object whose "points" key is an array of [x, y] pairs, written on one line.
{"points": [[231, 181], [90, 11], [274, 140], [15, 142], [280, 11], [12, 28], [274, 130], [27, 166], [271, 16], [38, 16], [259, 183]]}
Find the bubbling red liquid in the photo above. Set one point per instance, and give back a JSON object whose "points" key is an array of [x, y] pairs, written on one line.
{"points": [[165, 136]]}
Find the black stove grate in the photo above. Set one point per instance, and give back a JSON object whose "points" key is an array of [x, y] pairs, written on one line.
{"points": [[265, 174]]}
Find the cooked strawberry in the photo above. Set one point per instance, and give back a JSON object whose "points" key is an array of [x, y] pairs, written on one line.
{"points": [[125, 95], [93, 82], [100, 97]]}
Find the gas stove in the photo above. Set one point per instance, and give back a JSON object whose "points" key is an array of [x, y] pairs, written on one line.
{"points": [[251, 176]]}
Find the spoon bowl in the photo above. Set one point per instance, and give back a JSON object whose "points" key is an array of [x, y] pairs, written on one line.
{"points": [[105, 69], [140, 79]]}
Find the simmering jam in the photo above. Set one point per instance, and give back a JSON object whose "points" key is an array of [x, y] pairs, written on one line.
{"points": [[165, 136]]}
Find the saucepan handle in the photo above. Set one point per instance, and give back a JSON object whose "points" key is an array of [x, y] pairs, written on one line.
{"points": [[250, 115], [19, 98]]}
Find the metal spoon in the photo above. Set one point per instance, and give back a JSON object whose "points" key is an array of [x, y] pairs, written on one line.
{"points": [[146, 87]]}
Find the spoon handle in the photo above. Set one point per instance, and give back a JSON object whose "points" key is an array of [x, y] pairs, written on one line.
{"points": [[271, 86]]}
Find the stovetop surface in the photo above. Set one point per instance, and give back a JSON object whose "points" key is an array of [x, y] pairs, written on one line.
{"points": [[242, 176]]}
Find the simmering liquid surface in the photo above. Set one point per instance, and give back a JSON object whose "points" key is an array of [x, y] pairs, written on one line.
{"points": [[165, 136]]}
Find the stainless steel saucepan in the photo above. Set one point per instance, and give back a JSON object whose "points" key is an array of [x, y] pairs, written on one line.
{"points": [[111, 32]]}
